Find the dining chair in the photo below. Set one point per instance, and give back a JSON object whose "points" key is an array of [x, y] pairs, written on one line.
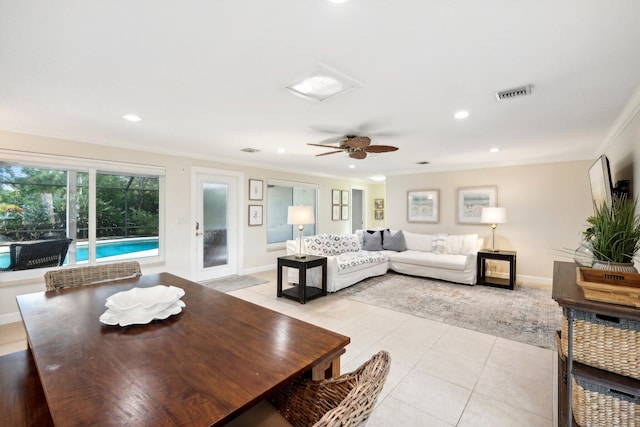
{"points": [[345, 401], [37, 254], [71, 277]]}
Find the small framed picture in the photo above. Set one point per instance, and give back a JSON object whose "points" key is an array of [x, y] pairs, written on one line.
{"points": [[423, 206], [379, 203], [255, 214], [345, 212], [471, 201], [335, 197], [335, 215], [345, 197], [255, 189], [379, 214]]}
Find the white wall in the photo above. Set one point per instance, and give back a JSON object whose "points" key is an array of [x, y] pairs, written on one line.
{"points": [[179, 225], [546, 204]]}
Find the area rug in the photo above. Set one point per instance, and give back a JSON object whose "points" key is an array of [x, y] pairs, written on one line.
{"points": [[526, 314], [233, 283]]}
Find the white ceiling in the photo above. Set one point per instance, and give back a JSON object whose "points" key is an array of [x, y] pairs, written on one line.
{"points": [[208, 77]]}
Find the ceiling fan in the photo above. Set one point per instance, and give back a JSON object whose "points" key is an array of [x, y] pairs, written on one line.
{"points": [[356, 146]]}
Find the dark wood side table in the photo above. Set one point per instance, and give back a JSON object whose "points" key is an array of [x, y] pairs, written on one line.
{"points": [[302, 292], [507, 256]]}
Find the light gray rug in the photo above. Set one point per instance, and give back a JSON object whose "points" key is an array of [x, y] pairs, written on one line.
{"points": [[526, 314], [233, 283]]}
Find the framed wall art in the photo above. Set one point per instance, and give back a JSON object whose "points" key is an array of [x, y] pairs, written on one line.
{"points": [[345, 197], [255, 214], [378, 203], [345, 212], [335, 214], [471, 201], [255, 189], [423, 206], [335, 197], [379, 214]]}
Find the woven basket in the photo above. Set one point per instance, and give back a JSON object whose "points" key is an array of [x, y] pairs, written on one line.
{"points": [[598, 406], [610, 344]]}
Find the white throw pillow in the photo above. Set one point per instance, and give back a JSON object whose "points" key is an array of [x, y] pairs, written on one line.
{"points": [[418, 242], [440, 243]]}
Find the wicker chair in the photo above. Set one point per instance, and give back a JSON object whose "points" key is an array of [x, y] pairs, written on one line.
{"points": [[71, 277], [37, 254], [344, 401]]}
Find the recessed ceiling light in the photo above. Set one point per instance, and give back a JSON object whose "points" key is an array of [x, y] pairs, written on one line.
{"points": [[352, 166], [322, 84], [494, 150], [281, 150], [378, 178], [461, 114], [131, 117]]}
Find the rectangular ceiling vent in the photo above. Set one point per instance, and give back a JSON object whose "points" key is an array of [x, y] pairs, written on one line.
{"points": [[250, 150], [513, 93]]}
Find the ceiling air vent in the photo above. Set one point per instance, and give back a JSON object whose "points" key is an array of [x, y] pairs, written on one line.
{"points": [[422, 163], [250, 150], [513, 93]]}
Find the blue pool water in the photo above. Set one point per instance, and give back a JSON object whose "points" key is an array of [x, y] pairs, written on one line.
{"points": [[103, 249]]}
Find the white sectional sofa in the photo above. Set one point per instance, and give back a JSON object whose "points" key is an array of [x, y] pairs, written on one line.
{"points": [[355, 257]]}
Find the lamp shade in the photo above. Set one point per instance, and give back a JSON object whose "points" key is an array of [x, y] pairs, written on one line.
{"points": [[493, 216], [300, 215]]}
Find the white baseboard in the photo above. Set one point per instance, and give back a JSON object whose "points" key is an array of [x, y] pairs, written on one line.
{"points": [[10, 318], [528, 280], [259, 269]]}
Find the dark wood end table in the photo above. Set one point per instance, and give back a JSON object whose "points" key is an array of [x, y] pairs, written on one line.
{"points": [[302, 292], [507, 256]]}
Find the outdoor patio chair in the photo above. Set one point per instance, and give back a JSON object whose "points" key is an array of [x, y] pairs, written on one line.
{"points": [[345, 401], [71, 277], [37, 254]]}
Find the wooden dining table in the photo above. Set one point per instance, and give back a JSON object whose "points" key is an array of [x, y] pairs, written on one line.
{"points": [[202, 367]]}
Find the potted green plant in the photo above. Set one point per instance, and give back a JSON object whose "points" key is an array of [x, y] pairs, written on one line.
{"points": [[613, 235]]}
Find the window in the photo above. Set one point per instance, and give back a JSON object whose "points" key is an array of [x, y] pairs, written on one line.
{"points": [[281, 195], [110, 215]]}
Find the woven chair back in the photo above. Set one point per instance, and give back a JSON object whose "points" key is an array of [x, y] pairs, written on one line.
{"points": [[71, 277], [343, 401]]}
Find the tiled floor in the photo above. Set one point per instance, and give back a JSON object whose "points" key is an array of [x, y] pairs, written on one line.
{"points": [[440, 375]]}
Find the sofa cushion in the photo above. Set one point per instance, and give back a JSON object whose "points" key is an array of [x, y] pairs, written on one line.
{"points": [[372, 241], [439, 243], [418, 242], [461, 244], [331, 244], [430, 259], [393, 242], [352, 259]]}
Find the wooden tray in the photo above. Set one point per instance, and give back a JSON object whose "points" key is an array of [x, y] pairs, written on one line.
{"points": [[609, 286]]}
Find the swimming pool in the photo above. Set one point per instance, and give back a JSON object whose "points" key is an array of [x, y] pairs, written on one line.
{"points": [[114, 249]]}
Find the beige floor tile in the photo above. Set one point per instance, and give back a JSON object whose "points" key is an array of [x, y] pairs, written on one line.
{"points": [[436, 397], [464, 343], [522, 359], [530, 395], [451, 368], [485, 412], [421, 330], [393, 412], [12, 347]]}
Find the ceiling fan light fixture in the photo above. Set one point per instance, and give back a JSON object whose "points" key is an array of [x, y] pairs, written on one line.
{"points": [[322, 84]]}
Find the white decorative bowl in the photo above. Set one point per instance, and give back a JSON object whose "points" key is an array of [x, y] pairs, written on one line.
{"points": [[134, 317], [145, 300]]}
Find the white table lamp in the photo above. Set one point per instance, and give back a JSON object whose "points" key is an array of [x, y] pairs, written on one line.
{"points": [[300, 215], [493, 216]]}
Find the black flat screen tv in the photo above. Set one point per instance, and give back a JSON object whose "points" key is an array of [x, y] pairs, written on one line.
{"points": [[600, 180]]}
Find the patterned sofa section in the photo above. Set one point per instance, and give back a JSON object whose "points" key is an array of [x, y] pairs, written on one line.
{"points": [[346, 262]]}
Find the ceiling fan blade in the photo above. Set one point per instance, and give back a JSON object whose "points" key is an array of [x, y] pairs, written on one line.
{"points": [[321, 145], [332, 140], [358, 155], [330, 152], [380, 148], [359, 142]]}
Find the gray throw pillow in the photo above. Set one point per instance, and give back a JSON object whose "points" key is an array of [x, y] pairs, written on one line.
{"points": [[393, 242], [372, 241]]}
